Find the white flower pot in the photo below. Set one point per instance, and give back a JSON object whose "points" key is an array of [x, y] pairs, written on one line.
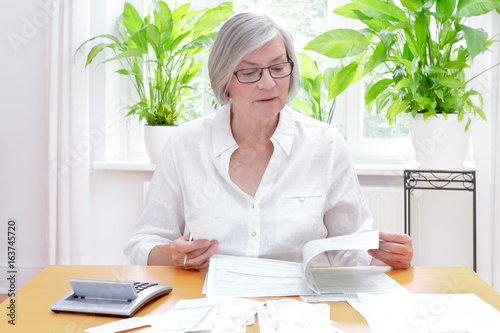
{"points": [[440, 144], [155, 138]]}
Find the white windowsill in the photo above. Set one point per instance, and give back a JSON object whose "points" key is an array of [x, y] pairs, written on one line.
{"points": [[124, 165], [362, 169]]}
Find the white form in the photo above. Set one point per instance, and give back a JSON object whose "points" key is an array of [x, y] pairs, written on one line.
{"points": [[254, 277], [258, 277], [118, 326], [190, 315], [292, 316], [339, 283], [235, 314], [423, 313]]}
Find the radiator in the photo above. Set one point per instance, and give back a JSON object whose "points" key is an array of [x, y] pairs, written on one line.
{"points": [[387, 207]]}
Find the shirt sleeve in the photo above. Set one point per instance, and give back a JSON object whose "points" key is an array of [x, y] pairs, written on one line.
{"points": [[347, 211], [162, 220]]}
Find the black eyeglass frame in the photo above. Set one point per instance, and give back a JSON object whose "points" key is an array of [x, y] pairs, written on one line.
{"points": [[262, 71]]}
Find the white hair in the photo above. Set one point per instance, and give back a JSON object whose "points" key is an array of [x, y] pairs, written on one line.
{"points": [[239, 36]]}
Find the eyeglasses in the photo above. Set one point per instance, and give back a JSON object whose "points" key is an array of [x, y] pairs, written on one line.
{"points": [[252, 75]]}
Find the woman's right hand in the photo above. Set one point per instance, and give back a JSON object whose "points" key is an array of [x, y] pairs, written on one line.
{"points": [[199, 252]]}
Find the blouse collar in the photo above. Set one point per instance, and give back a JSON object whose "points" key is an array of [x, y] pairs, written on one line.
{"points": [[222, 136]]}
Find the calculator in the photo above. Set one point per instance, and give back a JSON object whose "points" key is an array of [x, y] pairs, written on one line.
{"points": [[107, 297]]}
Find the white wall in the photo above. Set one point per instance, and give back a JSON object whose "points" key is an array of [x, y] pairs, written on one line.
{"points": [[116, 201], [23, 134]]}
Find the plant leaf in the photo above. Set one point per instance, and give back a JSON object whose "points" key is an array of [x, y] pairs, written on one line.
{"points": [[308, 67], [480, 112], [375, 89], [439, 93], [468, 124], [301, 105], [179, 12], [163, 19], [140, 38], [202, 41], [376, 24], [131, 19], [403, 83], [212, 18], [451, 82], [476, 40], [381, 10], [347, 11], [412, 44], [422, 100], [446, 7], [113, 38], [467, 8], [94, 52], [413, 5], [342, 80], [421, 29], [191, 72], [379, 55], [339, 43], [126, 54], [153, 35], [395, 109], [316, 88]]}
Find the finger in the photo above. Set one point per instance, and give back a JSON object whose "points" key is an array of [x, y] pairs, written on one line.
{"points": [[201, 251], [395, 260], [200, 260], [393, 247], [394, 238], [199, 244], [199, 268], [182, 246]]}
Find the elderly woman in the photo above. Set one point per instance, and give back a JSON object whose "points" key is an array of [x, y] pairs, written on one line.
{"points": [[273, 178]]}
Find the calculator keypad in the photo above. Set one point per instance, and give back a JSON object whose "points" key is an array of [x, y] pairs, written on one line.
{"points": [[140, 286]]}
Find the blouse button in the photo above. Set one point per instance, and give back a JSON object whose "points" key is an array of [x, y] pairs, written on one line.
{"points": [[254, 234], [302, 198], [253, 206]]}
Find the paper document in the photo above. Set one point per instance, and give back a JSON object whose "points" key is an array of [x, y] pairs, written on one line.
{"points": [[423, 313], [340, 283], [258, 277], [218, 228], [292, 316], [190, 315], [118, 326]]}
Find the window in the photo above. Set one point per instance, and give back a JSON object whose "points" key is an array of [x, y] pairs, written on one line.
{"points": [[370, 137]]}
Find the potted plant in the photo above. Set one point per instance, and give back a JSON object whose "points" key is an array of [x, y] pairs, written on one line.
{"points": [[161, 53], [416, 56]]}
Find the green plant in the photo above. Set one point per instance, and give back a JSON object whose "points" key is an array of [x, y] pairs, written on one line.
{"points": [[416, 54], [310, 99], [161, 53]]}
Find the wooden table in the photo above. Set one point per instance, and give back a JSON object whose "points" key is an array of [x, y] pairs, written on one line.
{"points": [[34, 299]]}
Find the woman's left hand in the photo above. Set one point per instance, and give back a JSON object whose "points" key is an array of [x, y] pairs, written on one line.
{"points": [[395, 250]]}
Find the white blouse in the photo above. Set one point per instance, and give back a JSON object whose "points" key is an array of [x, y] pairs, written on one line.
{"points": [[308, 191]]}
